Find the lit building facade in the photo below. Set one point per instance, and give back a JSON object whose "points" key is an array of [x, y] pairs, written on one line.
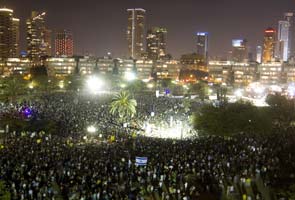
{"points": [[202, 45], [269, 45], [239, 50], [289, 17], [270, 73], [232, 73], [135, 32], [18, 66], [64, 44], [168, 69], [9, 34], [87, 65], [38, 37], [259, 54], [156, 43], [283, 48], [193, 62], [60, 66]]}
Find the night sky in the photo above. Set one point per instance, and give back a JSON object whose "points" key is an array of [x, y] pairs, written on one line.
{"points": [[99, 26]]}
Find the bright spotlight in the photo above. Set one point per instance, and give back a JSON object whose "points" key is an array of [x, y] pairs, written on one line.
{"points": [[238, 93], [94, 84], [91, 129], [130, 76]]}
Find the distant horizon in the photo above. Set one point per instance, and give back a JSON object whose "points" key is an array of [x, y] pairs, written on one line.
{"points": [[99, 27]]}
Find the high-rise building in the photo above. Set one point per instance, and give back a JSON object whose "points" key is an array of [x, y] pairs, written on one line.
{"points": [[156, 43], [135, 32], [239, 50], [269, 45], [15, 37], [259, 54], [283, 49], [38, 37], [47, 44], [202, 45], [9, 29], [64, 44], [289, 17]]}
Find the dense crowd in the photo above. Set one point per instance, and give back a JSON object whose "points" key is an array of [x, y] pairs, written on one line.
{"points": [[75, 113], [38, 165], [45, 167]]}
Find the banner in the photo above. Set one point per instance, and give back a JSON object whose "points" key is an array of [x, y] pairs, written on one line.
{"points": [[141, 161]]}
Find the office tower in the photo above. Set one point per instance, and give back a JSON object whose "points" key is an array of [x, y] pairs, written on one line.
{"points": [[135, 32], [239, 50], [259, 54], [283, 49], [202, 45], [156, 43], [15, 37], [289, 17], [38, 37], [269, 45], [9, 34], [64, 44], [47, 46]]}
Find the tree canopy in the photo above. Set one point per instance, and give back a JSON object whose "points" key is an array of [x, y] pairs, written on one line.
{"points": [[230, 119]]}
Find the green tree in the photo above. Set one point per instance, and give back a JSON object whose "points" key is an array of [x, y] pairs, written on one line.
{"points": [[123, 105], [231, 119], [201, 89], [136, 86], [43, 83], [282, 110], [13, 87]]}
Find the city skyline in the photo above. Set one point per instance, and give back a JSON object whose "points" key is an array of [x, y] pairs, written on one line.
{"points": [[183, 19]]}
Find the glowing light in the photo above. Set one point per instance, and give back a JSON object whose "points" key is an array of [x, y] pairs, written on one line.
{"points": [[150, 85], [238, 93], [91, 129], [291, 90], [94, 84], [61, 84], [130, 76], [123, 85]]}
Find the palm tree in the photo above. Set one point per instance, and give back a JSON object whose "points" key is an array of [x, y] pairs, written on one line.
{"points": [[13, 87], [123, 105]]}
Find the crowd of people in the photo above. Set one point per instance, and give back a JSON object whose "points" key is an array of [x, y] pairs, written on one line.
{"points": [[39, 165]]}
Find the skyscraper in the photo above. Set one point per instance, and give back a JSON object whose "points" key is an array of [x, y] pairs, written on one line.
{"points": [[38, 37], [269, 45], [289, 17], [156, 43], [283, 49], [64, 43], [202, 45], [135, 32], [239, 50], [9, 39], [259, 54], [47, 44], [15, 37]]}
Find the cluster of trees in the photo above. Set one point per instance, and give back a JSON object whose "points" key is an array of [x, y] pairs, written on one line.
{"points": [[242, 117]]}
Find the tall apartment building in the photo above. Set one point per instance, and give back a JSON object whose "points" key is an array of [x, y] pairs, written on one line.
{"points": [[135, 32], [64, 44]]}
